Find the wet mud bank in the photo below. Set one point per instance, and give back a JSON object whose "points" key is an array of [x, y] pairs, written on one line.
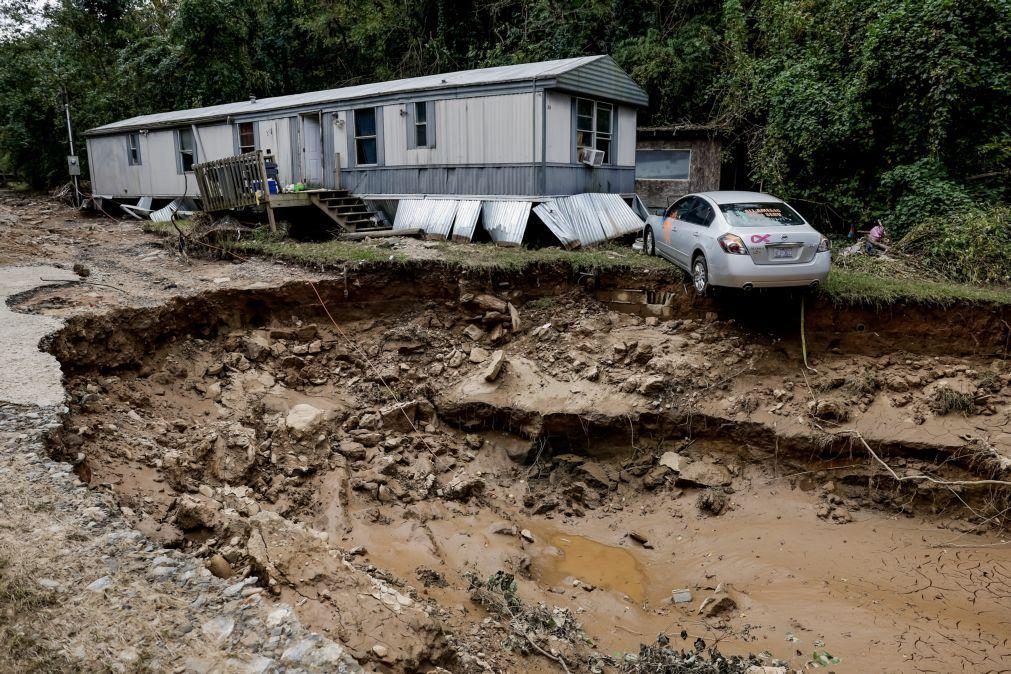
{"points": [[460, 444]]}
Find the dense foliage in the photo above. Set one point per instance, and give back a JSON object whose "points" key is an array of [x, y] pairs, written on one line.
{"points": [[895, 108], [972, 245]]}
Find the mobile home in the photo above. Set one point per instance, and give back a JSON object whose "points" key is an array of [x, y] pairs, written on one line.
{"points": [[531, 131]]}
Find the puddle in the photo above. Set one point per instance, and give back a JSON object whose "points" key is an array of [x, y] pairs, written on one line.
{"points": [[608, 567]]}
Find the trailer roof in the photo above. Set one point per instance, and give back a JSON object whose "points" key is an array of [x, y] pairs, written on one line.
{"points": [[593, 75]]}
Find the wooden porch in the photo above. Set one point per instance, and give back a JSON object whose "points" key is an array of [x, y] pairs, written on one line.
{"points": [[241, 182]]}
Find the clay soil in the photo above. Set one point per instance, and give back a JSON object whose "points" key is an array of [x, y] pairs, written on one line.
{"points": [[386, 450]]}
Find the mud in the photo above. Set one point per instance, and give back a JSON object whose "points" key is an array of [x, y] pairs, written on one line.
{"points": [[368, 470]]}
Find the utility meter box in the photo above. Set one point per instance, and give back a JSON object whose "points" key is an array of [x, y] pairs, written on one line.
{"points": [[74, 165]]}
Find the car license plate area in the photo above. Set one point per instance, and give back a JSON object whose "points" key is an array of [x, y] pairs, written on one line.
{"points": [[782, 252]]}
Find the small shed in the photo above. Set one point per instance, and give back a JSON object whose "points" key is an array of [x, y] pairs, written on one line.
{"points": [[673, 161]]}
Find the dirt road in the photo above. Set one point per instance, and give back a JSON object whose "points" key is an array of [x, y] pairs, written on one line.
{"points": [[513, 472]]}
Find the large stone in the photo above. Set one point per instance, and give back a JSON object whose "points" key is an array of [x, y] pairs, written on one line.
{"points": [[234, 453], [596, 475], [671, 460], [400, 417], [703, 474], [494, 369], [478, 355], [304, 419]]}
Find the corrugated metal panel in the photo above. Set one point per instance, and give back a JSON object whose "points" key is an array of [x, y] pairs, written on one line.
{"points": [[616, 217], [588, 219], [501, 74], [506, 221], [583, 222], [467, 214], [557, 223], [435, 216], [462, 180]]}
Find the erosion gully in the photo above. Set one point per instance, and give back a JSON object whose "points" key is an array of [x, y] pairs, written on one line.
{"points": [[372, 470]]}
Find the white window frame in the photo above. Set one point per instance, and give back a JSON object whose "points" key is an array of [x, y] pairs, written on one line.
{"points": [[665, 149], [180, 164], [595, 135], [133, 156]]}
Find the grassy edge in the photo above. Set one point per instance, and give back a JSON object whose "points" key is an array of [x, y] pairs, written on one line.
{"points": [[844, 287]]}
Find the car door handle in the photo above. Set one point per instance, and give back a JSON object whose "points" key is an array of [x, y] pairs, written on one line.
{"points": [[695, 234]]}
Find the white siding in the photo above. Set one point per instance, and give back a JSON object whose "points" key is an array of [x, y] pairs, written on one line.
{"points": [[215, 142], [626, 136], [340, 137], [560, 137], [482, 130]]}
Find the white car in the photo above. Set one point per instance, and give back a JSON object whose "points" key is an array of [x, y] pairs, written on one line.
{"points": [[738, 240]]}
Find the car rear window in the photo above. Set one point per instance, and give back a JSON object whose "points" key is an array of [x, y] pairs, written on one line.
{"points": [[760, 214]]}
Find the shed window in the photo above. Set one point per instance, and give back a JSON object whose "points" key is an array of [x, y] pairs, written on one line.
{"points": [[186, 149], [133, 149], [662, 164], [594, 126], [365, 137], [247, 138]]}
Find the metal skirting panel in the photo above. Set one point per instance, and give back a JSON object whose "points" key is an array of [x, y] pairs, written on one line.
{"points": [[588, 219], [578, 179], [506, 221], [434, 216], [467, 214]]}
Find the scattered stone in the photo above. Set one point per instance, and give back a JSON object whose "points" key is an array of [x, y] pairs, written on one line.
{"points": [[712, 502], [304, 419], [717, 604], [219, 566], [479, 355], [640, 539], [218, 629], [526, 535], [703, 474], [671, 460], [498, 361], [474, 333], [681, 596], [380, 651], [829, 410], [514, 318]]}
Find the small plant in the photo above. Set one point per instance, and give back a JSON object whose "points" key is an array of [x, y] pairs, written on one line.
{"points": [[862, 384], [947, 400]]}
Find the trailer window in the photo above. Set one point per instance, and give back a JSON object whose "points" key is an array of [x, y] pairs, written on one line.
{"points": [[366, 144], [594, 126], [421, 124], [187, 150], [247, 138], [663, 164], [133, 149]]}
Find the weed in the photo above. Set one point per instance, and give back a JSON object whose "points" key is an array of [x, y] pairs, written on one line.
{"points": [[541, 303], [862, 384], [947, 400], [21, 649]]}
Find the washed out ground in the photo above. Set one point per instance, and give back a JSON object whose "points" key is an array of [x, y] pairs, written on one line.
{"points": [[680, 474]]}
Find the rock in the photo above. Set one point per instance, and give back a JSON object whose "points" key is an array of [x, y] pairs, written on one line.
{"points": [[353, 451], [595, 475], [671, 460], [302, 334], [592, 373], [656, 477], [478, 355], [681, 596], [456, 358], [717, 604], [380, 651], [498, 361], [81, 270], [505, 529], [462, 488], [304, 419], [652, 385], [475, 333], [526, 535], [703, 474], [100, 584], [491, 303], [218, 629], [400, 417], [766, 669], [219, 566], [514, 318], [641, 539], [256, 347]]}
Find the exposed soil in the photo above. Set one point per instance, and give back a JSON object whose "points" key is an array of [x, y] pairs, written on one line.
{"points": [[678, 473]]}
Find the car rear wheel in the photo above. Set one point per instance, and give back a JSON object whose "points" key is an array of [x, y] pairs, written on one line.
{"points": [[700, 276], [648, 243]]}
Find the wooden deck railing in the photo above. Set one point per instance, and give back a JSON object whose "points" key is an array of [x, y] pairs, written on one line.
{"points": [[232, 182]]}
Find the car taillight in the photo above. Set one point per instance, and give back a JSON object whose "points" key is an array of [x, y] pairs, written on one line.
{"points": [[824, 245], [733, 244]]}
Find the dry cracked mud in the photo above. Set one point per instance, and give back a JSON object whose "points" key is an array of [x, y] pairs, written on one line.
{"points": [[481, 471]]}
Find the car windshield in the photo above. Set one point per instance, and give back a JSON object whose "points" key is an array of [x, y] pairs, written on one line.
{"points": [[760, 214]]}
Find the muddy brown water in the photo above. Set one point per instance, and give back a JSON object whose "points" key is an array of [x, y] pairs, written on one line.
{"points": [[886, 592]]}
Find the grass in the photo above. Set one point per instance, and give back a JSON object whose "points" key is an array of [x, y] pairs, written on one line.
{"points": [[857, 280], [948, 400], [21, 621]]}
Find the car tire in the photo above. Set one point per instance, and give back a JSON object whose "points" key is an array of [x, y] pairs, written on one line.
{"points": [[648, 242], [700, 275]]}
